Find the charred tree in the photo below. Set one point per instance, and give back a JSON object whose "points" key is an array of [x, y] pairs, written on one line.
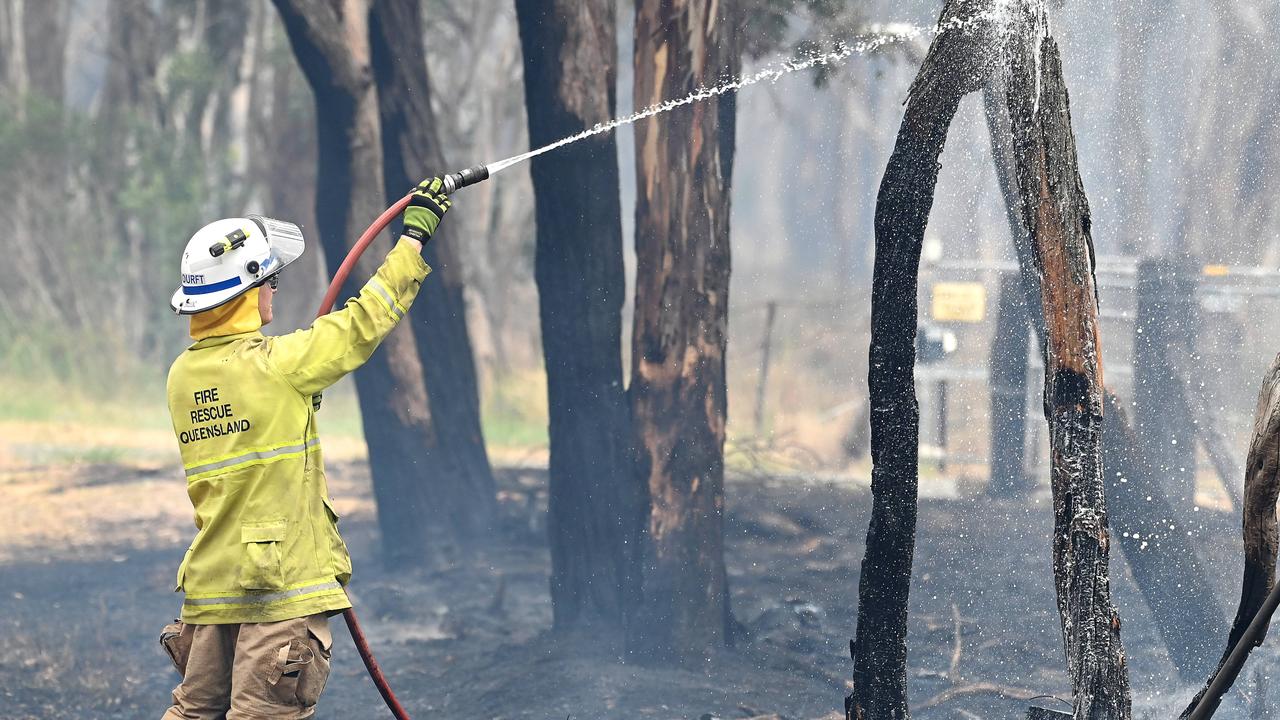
{"points": [[462, 486], [1164, 563], [1261, 538], [596, 505], [1161, 570], [331, 41], [1056, 214], [957, 64], [684, 165]]}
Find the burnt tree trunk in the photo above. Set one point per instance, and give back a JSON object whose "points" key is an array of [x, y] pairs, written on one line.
{"points": [[462, 486], [957, 64], [684, 163], [1161, 570], [596, 504], [1056, 212], [1261, 538], [1164, 562], [331, 41]]}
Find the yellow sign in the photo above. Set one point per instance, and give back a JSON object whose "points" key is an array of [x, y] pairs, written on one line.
{"points": [[964, 302]]}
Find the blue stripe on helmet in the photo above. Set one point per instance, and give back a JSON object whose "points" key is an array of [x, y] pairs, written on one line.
{"points": [[206, 289]]}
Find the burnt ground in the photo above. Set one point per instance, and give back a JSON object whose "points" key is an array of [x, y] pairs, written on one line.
{"points": [[88, 553]]}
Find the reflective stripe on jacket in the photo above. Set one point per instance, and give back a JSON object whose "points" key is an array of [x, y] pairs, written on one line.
{"points": [[267, 546]]}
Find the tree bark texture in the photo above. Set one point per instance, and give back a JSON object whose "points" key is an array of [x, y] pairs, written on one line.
{"points": [[1161, 570], [995, 103], [1164, 562], [596, 507], [684, 163], [957, 64], [1056, 212], [331, 41], [463, 493], [1261, 539]]}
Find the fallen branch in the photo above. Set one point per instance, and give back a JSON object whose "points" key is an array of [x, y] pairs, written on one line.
{"points": [[978, 688]]}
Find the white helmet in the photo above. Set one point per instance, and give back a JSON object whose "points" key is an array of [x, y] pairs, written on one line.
{"points": [[226, 258]]}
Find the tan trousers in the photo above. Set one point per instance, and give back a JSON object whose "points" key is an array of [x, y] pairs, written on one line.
{"points": [[254, 671]]}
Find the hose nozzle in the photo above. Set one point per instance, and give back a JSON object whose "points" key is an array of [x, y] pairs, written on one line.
{"points": [[470, 176]]}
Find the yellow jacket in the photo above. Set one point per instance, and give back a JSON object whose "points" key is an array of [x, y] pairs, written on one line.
{"points": [[267, 546]]}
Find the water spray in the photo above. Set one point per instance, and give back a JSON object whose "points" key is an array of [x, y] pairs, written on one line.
{"points": [[453, 182]]}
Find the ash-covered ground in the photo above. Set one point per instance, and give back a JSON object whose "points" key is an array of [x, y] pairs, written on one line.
{"points": [[88, 552]]}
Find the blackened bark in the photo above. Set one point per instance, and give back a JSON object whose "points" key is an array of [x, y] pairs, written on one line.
{"points": [[331, 41], [597, 504], [1261, 538], [995, 102], [957, 64], [1161, 570], [1164, 562], [462, 486], [1056, 212], [1009, 348], [684, 162]]}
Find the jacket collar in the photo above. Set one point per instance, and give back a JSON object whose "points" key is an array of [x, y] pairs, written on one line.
{"points": [[224, 339]]}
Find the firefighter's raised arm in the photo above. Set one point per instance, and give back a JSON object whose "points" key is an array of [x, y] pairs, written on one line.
{"points": [[338, 343]]}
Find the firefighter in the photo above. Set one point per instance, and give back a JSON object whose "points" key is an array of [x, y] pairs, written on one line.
{"points": [[267, 567]]}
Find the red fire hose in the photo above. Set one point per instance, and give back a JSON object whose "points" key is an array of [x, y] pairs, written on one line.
{"points": [[340, 277], [330, 297], [452, 183]]}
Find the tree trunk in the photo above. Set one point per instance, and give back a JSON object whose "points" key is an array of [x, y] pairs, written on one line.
{"points": [[331, 41], [1261, 539], [463, 494], [45, 27], [1161, 570], [1163, 561], [684, 163], [957, 63], [596, 505], [1056, 212]]}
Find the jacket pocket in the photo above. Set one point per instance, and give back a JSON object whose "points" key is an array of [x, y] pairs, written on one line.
{"points": [[338, 555], [176, 640], [180, 581], [262, 558]]}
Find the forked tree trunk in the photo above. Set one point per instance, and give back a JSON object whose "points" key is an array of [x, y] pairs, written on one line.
{"points": [[331, 41], [684, 163], [462, 487], [1056, 212], [1261, 538], [1162, 569], [957, 64], [597, 504]]}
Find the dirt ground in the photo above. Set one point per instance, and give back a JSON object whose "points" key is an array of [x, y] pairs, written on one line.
{"points": [[89, 546]]}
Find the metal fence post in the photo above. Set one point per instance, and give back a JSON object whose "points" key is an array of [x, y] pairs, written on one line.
{"points": [[1008, 387]]}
